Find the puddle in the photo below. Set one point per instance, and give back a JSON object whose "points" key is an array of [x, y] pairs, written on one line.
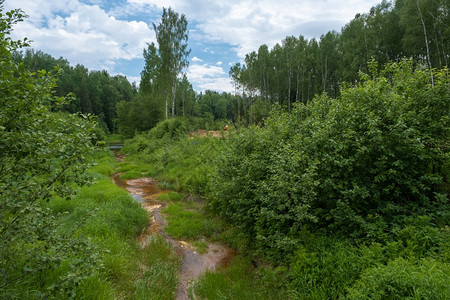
{"points": [[145, 190]]}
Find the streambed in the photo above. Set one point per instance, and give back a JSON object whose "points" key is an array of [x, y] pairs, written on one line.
{"points": [[145, 190]]}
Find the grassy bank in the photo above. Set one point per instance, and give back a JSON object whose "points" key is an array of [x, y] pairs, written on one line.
{"points": [[107, 220]]}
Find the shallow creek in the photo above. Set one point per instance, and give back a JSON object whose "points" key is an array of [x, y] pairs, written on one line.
{"points": [[145, 190]]}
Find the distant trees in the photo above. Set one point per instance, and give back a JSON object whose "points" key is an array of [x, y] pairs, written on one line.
{"points": [[297, 69], [294, 70], [94, 92], [160, 78]]}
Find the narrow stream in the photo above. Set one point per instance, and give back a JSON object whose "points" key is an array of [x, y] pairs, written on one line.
{"points": [[145, 190]]}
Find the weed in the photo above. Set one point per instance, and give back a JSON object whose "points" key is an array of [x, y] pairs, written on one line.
{"points": [[200, 246], [160, 267], [189, 224], [171, 196], [238, 281]]}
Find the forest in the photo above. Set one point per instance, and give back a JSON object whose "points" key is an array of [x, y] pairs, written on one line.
{"points": [[294, 70], [331, 181]]}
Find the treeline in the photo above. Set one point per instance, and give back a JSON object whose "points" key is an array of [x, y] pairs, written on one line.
{"points": [[293, 71], [121, 106], [298, 69], [94, 92]]}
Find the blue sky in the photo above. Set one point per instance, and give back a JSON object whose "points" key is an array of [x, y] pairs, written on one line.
{"points": [[111, 34]]}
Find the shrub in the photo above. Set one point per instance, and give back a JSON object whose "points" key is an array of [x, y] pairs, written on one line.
{"points": [[351, 166], [404, 279]]}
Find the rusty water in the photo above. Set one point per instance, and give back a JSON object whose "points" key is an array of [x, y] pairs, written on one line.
{"points": [[145, 190]]}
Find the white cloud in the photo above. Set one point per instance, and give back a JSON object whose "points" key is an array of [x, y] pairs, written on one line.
{"points": [[99, 37], [134, 79], [196, 59], [209, 77], [83, 34], [247, 24]]}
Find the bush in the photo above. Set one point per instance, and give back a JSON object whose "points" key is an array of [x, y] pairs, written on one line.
{"points": [[351, 166], [404, 279]]}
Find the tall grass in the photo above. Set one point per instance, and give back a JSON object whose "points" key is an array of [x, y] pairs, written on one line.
{"points": [[184, 163], [110, 220], [239, 281], [190, 224], [159, 277]]}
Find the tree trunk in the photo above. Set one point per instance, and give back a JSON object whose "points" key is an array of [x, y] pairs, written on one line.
{"points": [[426, 42], [184, 96], [167, 105], [325, 73], [174, 91]]}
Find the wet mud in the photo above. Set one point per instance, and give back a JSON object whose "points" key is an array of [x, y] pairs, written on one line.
{"points": [[145, 190]]}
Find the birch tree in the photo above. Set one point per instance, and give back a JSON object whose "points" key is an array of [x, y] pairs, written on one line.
{"points": [[172, 39]]}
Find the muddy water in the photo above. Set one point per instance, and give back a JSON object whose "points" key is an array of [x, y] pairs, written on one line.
{"points": [[145, 190]]}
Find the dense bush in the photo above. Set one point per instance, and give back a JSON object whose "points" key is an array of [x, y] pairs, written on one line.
{"points": [[168, 130], [352, 166], [412, 262]]}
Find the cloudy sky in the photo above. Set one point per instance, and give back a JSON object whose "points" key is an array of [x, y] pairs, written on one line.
{"points": [[111, 34]]}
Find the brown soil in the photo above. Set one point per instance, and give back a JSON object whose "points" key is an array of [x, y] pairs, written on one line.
{"points": [[202, 132], [145, 190]]}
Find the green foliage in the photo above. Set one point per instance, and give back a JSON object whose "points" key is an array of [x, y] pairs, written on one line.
{"points": [[190, 224], [169, 155], [95, 92], [297, 69], [114, 139], [412, 262], [326, 268], [239, 280], [172, 37], [110, 219], [140, 114], [43, 156], [351, 166], [401, 279], [171, 129], [103, 163], [160, 279], [163, 132]]}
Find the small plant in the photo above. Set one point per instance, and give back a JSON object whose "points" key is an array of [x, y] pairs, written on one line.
{"points": [[200, 246], [171, 196]]}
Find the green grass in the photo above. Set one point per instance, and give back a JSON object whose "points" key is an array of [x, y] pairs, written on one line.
{"points": [[109, 220], [104, 164], [184, 164], [171, 196], [159, 278], [133, 170], [200, 246], [131, 175], [114, 139], [189, 224], [239, 281]]}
